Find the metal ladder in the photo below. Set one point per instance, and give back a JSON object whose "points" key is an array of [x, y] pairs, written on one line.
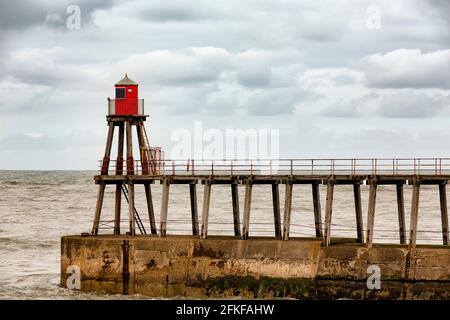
{"points": [[136, 214], [149, 153]]}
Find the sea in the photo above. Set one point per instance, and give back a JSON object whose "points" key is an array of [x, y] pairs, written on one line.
{"points": [[38, 207]]}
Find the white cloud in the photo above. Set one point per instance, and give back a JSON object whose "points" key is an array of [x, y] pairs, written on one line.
{"points": [[408, 68]]}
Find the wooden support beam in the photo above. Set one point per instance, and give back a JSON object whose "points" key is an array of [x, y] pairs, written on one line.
{"points": [[119, 161], [119, 171], [98, 208], [247, 206], [276, 209], [109, 140], [130, 160], [236, 213], [371, 213], [328, 213], [164, 208], [358, 212], [194, 210], [142, 148], [118, 205], [317, 210], [131, 208], [287, 209], [414, 215], [444, 214], [151, 212], [401, 213], [205, 209]]}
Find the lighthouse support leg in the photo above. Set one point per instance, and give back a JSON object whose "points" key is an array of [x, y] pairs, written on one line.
{"points": [[119, 171], [131, 207], [98, 208], [142, 148], [130, 160], [109, 139], [151, 212]]}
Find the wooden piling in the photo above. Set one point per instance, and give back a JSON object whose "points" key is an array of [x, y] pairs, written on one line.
{"points": [[131, 207], [414, 214], [276, 209], [142, 148], [109, 140], [317, 210], [98, 208], [328, 212], [371, 213], [194, 211], [118, 204], [205, 208], [444, 214], [164, 208], [130, 160], [151, 212], [247, 206], [235, 204], [287, 208], [358, 212], [119, 161], [119, 171], [401, 213]]}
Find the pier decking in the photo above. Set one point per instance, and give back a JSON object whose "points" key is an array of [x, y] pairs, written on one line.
{"points": [[288, 172]]}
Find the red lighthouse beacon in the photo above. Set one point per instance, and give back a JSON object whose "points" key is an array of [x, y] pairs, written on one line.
{"points": [[126, 102], [129, 168]]}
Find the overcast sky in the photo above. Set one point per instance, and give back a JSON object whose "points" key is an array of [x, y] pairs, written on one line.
{"points": [[336, 78]]}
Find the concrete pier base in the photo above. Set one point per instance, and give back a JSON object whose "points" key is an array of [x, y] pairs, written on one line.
{"points": [[254, 268]]}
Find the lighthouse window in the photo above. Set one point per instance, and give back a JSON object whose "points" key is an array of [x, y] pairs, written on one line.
{"points": [[120, 93]]}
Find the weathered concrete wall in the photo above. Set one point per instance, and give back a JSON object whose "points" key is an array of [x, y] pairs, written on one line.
{"points": [[259, 267]]}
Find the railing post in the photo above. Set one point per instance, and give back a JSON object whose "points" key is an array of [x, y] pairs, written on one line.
{"points": [[231, 167], [193, 167], [291, 167], [312, 166], [173, 168]]}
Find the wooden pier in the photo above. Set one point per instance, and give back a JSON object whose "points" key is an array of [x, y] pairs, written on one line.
{"points": [[288, 172]]}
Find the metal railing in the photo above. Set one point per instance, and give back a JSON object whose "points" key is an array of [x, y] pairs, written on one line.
{"points": [[379, 166], [112, 107]]}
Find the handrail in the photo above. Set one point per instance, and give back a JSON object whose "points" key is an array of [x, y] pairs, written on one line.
{"points": [[307, 166]]}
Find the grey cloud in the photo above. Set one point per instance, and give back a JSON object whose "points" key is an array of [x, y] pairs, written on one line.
{"points": [[411, 105], [275, 101], [353, 108], [26, 13]]}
